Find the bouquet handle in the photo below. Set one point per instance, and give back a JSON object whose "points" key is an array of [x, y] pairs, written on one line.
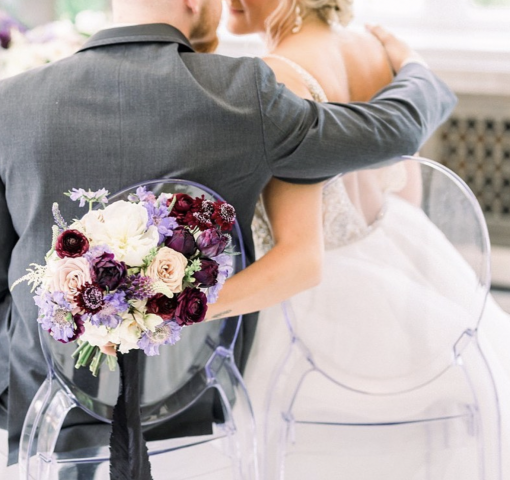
{"points": [[129, 458]]}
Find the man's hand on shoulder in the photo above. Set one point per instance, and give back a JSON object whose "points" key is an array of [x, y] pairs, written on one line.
{"points": [[399, 53]]}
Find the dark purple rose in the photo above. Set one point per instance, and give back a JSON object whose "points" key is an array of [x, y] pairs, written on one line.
{"points": [[182, 241], [211, 243], [79, 329], [109, 273], [90, 298], [182, 205], [71, 243], [224, 215], [191, 307], [163, 306], [208, 273]]}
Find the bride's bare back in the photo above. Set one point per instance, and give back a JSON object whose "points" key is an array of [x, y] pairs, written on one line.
{"points": [[350, 66]]}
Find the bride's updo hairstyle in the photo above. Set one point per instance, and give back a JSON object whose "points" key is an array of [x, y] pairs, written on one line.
{"points": [[289, 13]]}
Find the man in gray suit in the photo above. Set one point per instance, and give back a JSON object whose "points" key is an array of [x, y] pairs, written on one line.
{"points": [[137, 103]]}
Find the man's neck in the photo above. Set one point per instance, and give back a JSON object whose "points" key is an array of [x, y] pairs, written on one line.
{"points": [[142, 16]]}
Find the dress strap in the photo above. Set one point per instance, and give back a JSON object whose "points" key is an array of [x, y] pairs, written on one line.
{"points": [[309, 80]]}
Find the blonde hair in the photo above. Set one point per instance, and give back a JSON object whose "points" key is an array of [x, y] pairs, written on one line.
{"points": [[281, 21]]}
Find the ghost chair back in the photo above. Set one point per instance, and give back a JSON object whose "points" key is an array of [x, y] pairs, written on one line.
{"points": [[196, 378], [384, 376]]}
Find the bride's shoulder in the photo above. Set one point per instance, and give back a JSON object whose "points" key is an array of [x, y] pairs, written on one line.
{"points": [[287, 75]]}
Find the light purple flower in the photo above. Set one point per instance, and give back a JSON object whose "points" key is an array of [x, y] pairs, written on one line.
{"points": [[115, 304], [97, 251], [158, 216], [165, 333], [55, 314], [142, 195], [84, 196], [225, 270]]}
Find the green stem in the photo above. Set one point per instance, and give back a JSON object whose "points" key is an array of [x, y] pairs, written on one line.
{"points": [[80, 347], [111, 362], [96, 362], [84, 356]]}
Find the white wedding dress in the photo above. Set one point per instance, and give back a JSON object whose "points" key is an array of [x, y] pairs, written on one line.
{"points": [[379, 250]]}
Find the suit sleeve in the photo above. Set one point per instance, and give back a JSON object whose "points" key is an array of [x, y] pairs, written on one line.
{"points": [[307, 142], [8, 239]]}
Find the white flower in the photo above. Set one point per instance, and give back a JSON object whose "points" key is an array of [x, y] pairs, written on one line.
{"points": [[123, 227], [128, 334], [146, 321], [96, 336]]}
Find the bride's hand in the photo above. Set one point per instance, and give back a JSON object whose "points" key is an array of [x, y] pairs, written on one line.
{"points": [[399, 53]]}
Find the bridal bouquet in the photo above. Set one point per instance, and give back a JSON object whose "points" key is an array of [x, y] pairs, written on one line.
{"points": [[131, 274]]}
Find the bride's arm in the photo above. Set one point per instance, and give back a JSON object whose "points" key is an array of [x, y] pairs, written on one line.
{"points": [[294, 263]]}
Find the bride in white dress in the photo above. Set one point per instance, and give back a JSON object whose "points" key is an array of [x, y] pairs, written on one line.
{"points": [[318, 59]]}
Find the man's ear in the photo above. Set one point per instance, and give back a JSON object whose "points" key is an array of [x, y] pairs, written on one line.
{"points": [[193, 5]]}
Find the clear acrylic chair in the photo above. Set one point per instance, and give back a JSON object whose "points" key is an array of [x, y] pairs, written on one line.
{"points": [[383, 376], [172, 382]]}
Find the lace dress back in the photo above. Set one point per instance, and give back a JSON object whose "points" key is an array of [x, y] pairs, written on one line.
{"points": [[343, 223]]}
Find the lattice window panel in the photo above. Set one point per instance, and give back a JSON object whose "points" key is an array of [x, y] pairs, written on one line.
{"points": [[478, 149], [475, 143]]}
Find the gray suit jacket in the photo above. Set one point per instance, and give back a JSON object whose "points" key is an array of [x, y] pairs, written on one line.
{"points": [[136, 103]]}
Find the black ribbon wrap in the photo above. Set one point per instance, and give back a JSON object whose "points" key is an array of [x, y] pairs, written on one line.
{"points": [[129, 458]]}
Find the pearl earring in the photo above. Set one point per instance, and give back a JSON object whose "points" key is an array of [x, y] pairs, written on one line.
{"points": [[298, 23]]}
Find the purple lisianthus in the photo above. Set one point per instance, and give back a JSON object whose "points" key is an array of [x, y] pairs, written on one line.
{"points": [[109, 273], [162, 306], [115, 305], [225, 270], [158, 216], [182, 241], [55, 315], [212, 243], [164, 334], [208, 273], [72, 244], [191, 307]]}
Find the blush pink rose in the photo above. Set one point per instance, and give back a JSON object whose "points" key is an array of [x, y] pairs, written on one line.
{"points": [[69, 275], [168, 266]]}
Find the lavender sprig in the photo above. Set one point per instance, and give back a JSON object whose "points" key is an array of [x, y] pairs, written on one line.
{"points": [[57, 216]]}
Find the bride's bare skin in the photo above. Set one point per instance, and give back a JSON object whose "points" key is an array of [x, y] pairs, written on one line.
{"points": [[294, 211], [350, 66]]}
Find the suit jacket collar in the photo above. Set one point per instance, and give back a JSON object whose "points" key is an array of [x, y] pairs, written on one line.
{"points": [[154, 32]]}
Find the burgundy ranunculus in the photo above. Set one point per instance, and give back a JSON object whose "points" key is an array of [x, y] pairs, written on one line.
{"points": [[90, 298], [224, 215], [79, 329], [71, 243], [162, 305], [183, 204], [182, 241], [211, 243], [109, 274], [208, 274], [191, 307]]}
